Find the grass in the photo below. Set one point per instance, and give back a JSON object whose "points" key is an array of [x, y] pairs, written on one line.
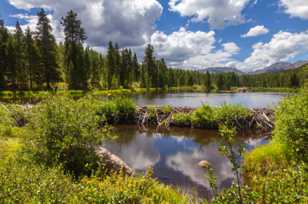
{"points": [[261, 159], [277, 172], [210, 117], [274, 89]]}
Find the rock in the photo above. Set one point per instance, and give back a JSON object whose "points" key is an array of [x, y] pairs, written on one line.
{"points": [[204, 164], [113, 162]]}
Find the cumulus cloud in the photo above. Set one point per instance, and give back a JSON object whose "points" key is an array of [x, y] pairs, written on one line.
{"points": [[256, 31], [185, 48], [231, 48], [283, 46], [127, 22], [217, 13], [296, 8], [31, 22]]}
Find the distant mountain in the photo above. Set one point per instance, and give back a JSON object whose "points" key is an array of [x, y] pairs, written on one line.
{"points": [[217, 70], [280, 66]]}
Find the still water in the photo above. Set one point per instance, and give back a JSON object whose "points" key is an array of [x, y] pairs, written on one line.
{"points": [[250, 100], [175, 154]]}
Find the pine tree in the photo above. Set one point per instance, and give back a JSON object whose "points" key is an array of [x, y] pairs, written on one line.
{"points": [[220, 82], [76, 68], [136, 68], [294, 81], [208, 82], [162, 74], [110, 65], [48, 49], [150, 68], [4, 38], [20, 72], [33, 60]]}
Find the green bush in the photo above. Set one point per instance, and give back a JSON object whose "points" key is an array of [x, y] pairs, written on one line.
{"points": [[231, 196], [212, 117], [283, 185], [6, 118], [22, 182], [231, 115], [126, 109], [204, 117], [292, 126], [19, 113], [64, 130], [263, 158], [122, 189], [6, 121], [26, 182], [118, 110], [181, 119]]}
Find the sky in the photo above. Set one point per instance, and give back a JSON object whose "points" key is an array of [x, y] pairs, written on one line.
{"points": [[190, 34]]}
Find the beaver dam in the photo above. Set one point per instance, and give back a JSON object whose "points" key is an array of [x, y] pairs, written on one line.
{"points": [[258, 119]]}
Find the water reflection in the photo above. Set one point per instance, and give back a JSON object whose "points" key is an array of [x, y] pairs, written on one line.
{"points": [[174, 155], [251, 100]]}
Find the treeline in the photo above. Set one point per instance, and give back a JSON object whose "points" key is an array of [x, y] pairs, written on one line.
{"points": [[33, 60], [286, 79]]}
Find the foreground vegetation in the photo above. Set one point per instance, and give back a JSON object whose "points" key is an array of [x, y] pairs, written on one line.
{"points": [[52, 160], [278, 171], [48, 155]]}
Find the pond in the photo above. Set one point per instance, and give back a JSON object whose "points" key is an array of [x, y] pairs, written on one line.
{"points": [[175, 154], [250, 99]]}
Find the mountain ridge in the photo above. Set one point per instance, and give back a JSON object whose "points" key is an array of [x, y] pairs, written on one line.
{"points": [[276, 67]]}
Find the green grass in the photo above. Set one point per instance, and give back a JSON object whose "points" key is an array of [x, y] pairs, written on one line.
{"points": [[277, 172], [274, 89], [210, 117]]}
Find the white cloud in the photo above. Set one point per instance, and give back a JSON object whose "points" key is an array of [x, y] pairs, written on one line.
{"points": [[189, 49], [31, 22], [284, 46], [217, 13], [256, 31], [296, 8], [231, 47], [127, 22]]}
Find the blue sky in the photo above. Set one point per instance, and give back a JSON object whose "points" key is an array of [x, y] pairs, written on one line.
{"points": [[247, 34]]}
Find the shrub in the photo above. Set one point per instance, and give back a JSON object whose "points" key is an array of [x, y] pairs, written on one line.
{"points": [[22, 182], [126, 109], [231, 196], [292, 126], [263, 158], [152, 110], [6, 121], [118, 110], [203, 117], [122, 189], [181, 119], [19, 114], [166, 109], [64, 130], [231, 115], [287, 184], [6, 118]]}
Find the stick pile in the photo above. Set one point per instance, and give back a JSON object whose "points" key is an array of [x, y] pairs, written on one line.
{"points": [[260, 119]]}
